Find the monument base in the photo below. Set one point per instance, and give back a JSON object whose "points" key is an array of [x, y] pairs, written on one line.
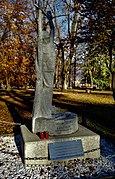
{"points": [[35, 151], [60, 124]]}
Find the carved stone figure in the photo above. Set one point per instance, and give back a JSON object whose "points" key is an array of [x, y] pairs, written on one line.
{"points": [[45, 69], [45, 117]]}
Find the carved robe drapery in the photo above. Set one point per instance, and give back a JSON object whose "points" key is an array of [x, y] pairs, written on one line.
{"points": [[45, 69]]}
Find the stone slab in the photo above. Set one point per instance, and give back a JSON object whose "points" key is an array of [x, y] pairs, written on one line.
{"points": [[35, 150]]}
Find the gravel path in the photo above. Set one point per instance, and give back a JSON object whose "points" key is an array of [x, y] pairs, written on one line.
{"points": [[11, 166]]}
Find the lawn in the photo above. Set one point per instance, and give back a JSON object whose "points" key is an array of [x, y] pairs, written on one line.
{"points": [[98, 108]]}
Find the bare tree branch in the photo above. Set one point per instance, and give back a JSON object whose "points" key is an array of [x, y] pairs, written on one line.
{"points": [[46, 14], [40, 9]]}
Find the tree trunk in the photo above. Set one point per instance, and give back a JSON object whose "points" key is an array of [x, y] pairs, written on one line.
{"points": [[110, 81], [113, 84], [57, 68], [70, 64], [91, 77], [8, 87], [74, 85], [63, 69], [111, 67]]}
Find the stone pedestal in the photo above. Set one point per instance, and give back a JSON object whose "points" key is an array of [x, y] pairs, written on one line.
{"points": [[35, 151], [60, 124]]}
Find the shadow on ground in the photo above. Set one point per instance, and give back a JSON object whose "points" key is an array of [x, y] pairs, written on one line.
{"points": [[97, 117], [20, 103]]}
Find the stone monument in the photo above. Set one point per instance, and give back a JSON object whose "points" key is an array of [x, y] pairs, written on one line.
{"points": [[44, 117], [67, 139]]}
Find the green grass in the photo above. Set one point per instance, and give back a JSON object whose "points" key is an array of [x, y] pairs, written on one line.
{"points": [[98, 107]]}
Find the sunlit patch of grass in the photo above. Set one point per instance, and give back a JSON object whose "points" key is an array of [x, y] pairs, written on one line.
{"points": [[12, 100], [98, 107], [86, 98]]}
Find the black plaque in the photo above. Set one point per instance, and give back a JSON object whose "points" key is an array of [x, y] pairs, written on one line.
{"points": [[65, 150]]}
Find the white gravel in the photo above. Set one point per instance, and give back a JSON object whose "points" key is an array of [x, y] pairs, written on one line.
{"points": [[11, 166]]}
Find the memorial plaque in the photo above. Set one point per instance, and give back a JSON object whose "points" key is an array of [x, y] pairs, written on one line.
{"points": [[65, 150]]}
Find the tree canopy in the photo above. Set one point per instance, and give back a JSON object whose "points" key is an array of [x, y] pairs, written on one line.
{"points": [[84, 41]]}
